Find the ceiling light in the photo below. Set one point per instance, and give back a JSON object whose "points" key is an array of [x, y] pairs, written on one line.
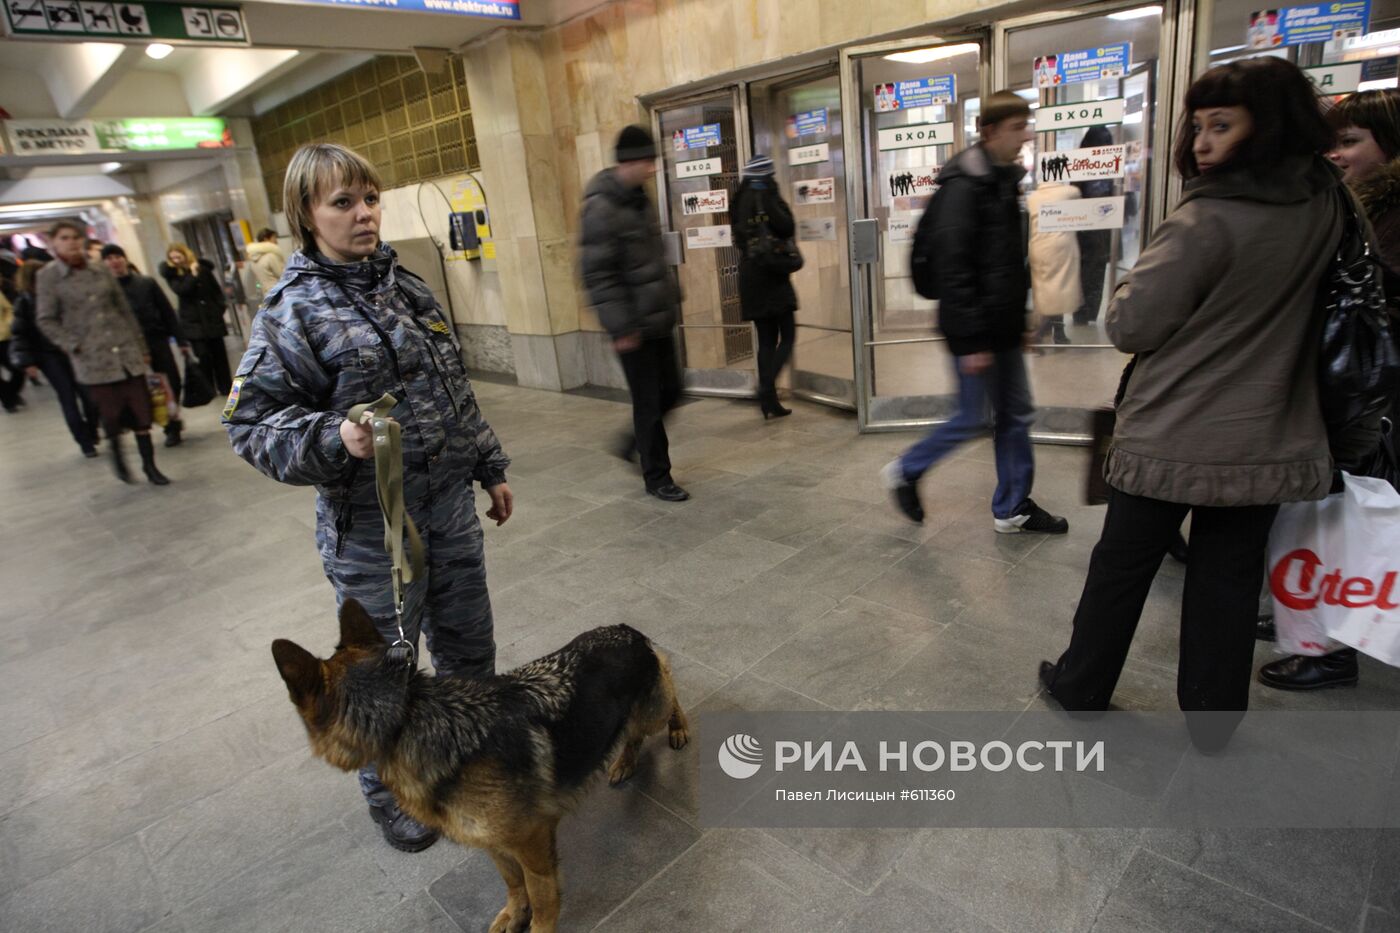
{"points": [[924, 56], [159, 50], [1141, 12], [109, 167]]}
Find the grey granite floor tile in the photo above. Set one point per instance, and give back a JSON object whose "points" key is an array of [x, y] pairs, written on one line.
{"points": [[863, 858], [109, 891], [847, 653], [898, 904], [843, 561], [1380, 921], [1158, 894], [963, 668], [734, 880], [718, 566], [420, 914], [1321, 874], [936, 584], [1046, 879]]}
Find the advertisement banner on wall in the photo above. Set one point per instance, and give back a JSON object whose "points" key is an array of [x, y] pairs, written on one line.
{"points": [[817, 228], [1100, 64], [1319, 22], [915, 136], [714, 237], [815, 191], [64, 137], [901, 229], [1085, 214], [808, 123], [923, 92], [907, 181], [696, 137], [1083, 164], [1074, 116], [810, 155], [700, 168], [706, 202]]}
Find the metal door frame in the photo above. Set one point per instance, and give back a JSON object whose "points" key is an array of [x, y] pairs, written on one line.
{"points": [[863, 343]]}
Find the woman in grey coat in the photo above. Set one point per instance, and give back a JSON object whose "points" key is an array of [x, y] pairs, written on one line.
{"points": [[1221, 417]]}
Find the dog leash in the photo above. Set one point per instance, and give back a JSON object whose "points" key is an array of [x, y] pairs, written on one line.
{"points": [[388, 479]]}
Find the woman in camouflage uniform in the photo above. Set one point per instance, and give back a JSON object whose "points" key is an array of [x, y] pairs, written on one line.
{"points": [[344, 325]]}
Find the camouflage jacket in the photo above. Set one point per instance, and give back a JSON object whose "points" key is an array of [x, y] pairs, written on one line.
{"points": [[331, 336]]}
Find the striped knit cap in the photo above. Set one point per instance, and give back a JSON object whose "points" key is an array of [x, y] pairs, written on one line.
{"points": [[758, 166]]}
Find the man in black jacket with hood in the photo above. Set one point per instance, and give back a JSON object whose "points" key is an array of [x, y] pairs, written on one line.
{"points": [[158, 323], [634, 294], [980, 256]]}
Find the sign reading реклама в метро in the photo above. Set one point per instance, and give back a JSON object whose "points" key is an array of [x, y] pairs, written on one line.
{"points": [[1295, 769], [486, 9]]}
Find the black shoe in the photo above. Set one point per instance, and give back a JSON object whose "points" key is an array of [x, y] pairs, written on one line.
{"points": [[172, 433], [1298, 672], [1264, 629], [1031, 517], [90, 453], [904, 493], [118, 461], [1178, 549], [768, 402], [402, 831], [1047, 677], [1060, 337], [669, 493]]}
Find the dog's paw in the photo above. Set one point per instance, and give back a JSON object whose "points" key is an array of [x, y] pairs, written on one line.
{"points": [[680, 738], [512, 919], [621, 770]]}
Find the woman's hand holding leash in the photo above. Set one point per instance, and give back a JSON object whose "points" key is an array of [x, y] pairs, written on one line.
{"points": [[358, 438]]}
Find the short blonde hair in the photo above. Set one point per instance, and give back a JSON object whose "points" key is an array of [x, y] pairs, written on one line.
{"points": [[314, 171]]}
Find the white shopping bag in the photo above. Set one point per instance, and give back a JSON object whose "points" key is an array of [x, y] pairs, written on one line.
{"points": [[1334, 571]]}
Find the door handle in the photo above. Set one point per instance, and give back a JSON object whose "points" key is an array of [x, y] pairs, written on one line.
{"points": [[865, 241]]}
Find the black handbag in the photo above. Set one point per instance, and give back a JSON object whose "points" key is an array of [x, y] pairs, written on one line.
{"points": [[1385, 462], [198, 389], [770, 252], [1359, 363]]}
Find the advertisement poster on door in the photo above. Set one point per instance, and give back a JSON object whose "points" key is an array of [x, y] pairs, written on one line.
{"points": [[706, 202], [1100, 64], [808, 123], [815, 191], [906, 181], [924, 92], [1083, 164], [696, 137], [1087, 214], [714, 237], [1319, 22], [901, 229]]}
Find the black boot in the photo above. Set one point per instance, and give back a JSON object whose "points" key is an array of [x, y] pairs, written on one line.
{"points": [[114, 444], [1298, 672], [172, 432], [148, 461], [1058, 333], [768, 403]]}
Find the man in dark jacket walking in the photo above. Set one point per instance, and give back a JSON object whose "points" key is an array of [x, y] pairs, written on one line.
{"points": [[635, 297], [980, 257], [158, 323]]}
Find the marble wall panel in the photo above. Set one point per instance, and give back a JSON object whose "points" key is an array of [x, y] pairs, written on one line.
{"points": [[543, 182], [532, 101], [486, 348], [532, 315], [557, 259]]}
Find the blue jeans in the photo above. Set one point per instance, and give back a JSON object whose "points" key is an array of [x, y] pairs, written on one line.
{"points": [[999, 398]]}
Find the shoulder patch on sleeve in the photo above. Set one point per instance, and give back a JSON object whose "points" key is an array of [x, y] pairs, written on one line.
{"points": [[232, 404]]}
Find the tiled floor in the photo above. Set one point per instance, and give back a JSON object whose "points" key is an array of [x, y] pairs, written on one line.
{"points": [[157, 778]]}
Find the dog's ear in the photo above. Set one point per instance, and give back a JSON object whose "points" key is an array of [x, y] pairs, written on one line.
{"points": [[299, 668], [357, 628]]}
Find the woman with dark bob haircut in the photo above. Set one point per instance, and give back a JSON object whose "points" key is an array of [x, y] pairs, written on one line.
{"points": [[1220, 418]]}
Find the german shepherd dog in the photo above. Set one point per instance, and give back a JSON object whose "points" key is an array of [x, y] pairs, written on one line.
{"points": [[492, 762]]}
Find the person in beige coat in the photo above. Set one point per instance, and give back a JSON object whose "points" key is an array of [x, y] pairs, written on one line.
{"points": [[1221, 417], [1054, 260], [266, 262]]}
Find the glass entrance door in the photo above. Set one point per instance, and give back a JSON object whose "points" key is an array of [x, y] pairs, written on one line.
{"points": [[701, 158], [797, 121], [915, 105]]}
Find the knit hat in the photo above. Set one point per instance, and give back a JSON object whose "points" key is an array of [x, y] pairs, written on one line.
{"points": [[112, 249], [758, 166], [635, 144]]}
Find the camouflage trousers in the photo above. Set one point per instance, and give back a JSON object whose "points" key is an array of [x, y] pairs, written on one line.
{"points": [[449, 605]]}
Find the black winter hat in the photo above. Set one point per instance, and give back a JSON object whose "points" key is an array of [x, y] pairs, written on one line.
{"points": [[112, 249], [634, 144]]}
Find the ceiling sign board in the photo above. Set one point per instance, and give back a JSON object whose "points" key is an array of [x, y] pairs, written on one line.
{"points": [[65, 137], [66, 20], [484, 9], [913, 137], [1074, 116]]}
